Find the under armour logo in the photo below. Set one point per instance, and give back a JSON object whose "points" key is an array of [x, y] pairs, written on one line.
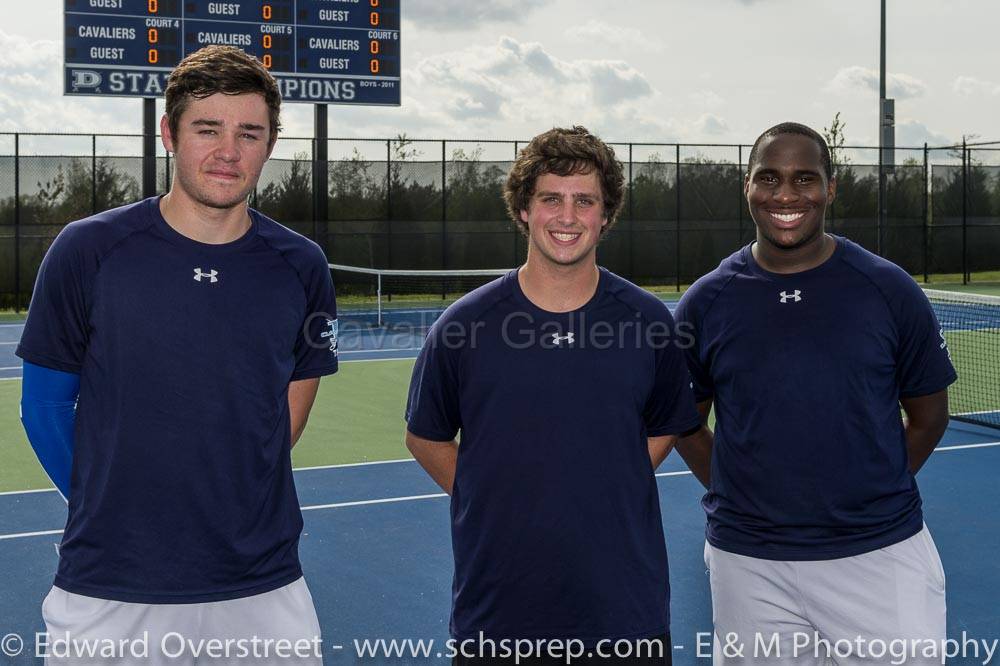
{"points": [[795, 296], [211, 275], [559, 339]]}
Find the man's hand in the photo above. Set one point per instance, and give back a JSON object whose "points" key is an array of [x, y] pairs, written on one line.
{"points": [[696, 448], [439, 459], [925, 422]]}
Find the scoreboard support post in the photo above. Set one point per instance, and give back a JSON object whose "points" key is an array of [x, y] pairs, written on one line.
{"points": [[148, 147], [320, 169]]}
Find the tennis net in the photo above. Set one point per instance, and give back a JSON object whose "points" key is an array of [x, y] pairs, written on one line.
{"points": [[970, 323], [410, 298]]}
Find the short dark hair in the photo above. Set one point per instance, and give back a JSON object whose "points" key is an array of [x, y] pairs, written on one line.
{"points": [[220, 69], [564, 152], [801, 130]]}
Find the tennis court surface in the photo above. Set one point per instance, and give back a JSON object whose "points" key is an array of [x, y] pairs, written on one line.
{"points": [[376, 547]]}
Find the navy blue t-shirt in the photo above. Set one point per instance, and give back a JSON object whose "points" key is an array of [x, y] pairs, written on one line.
{"points": [[181, 488], [556, 525], [806, 371]]}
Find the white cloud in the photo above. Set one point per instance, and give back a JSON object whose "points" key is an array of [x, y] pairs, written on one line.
{"points": [[465, 15], [710, 125], [706, 99], [970, 85], [30, 87], [912, 133], [521, 84], [862, 79], [607, 35]]}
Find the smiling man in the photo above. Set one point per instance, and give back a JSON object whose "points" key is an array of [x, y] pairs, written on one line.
{"points": [[807, 345], [568, 390], [188, 330]]}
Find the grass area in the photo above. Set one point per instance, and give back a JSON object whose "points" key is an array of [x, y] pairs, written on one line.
{"points": [[976, 357], [358, 417]]}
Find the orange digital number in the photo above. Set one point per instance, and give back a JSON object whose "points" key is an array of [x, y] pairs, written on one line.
{"points": [[153, 6], [374, 3], [267, 60], [153, 35], [267, 12], [153, 56], [373, 66], [373, 18], [267, 41], [373, 47]]}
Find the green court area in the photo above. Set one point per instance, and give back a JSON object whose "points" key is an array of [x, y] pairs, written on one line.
{"points": [[358, 417]]}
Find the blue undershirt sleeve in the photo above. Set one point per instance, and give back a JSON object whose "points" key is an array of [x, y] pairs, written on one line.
{"points": [[48, 413]]}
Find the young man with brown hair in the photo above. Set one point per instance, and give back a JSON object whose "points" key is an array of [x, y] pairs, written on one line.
{"points": [[191, 332], [568, 390]]}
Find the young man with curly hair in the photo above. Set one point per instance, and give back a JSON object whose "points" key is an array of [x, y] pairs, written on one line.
{"points": [[189, 332], [568, 387]]}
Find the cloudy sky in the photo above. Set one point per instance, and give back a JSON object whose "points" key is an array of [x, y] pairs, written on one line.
{"points": [[658, 70]]}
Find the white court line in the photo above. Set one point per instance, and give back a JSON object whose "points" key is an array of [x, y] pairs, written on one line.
{"points": [[360, 464], [23, 535], [386, 500], [11, 367], [9, 379], [379, 351], [958, 447], [28, 492], [8, 343]]}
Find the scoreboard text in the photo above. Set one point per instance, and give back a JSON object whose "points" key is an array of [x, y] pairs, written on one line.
{"points": [[321, 51]]}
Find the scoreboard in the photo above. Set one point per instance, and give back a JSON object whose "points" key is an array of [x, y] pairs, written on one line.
{"points": [[320, 51]]}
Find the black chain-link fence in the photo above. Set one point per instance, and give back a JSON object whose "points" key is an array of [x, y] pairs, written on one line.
{"points": [[437, 205]]}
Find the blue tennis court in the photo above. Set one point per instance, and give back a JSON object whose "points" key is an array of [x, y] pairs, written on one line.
{"points": [[377, 554]]}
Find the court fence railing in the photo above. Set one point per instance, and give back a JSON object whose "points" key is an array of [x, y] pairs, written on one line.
{"points": [[422, 204]]}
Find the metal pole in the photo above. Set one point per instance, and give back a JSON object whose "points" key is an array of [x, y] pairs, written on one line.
{"points": [[965, 217], [739, 198], [677, 229], [880, 223], [148, 147], [379, 296], [516, 232], [631, 220], [388, 203], [927, 219], [444, 216], [321, 204], [93, 174], [17, 222]]}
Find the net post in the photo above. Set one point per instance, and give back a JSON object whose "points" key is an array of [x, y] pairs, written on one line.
{"points": [[379, 298]]}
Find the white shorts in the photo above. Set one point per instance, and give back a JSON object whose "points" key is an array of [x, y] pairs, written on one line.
{"points": [[853, 610], [277, 627]]}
